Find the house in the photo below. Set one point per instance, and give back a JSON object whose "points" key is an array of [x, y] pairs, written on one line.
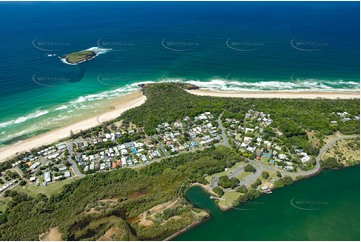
{"points": [[258, 153], [61, 146], [67, 174], [128, 145], [53, 156], [249, 130], [62, 168], [124, 161], [282, 156], [251, 149], [186, 118], [247, 140], [47, 177], [34, 166], [57, 178], [289, 168], [305, 159], [244, 145]]}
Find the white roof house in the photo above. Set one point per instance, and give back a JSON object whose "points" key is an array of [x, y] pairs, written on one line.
{"points": [[47, 176], [282, 156], [124, 152], [305, 159]]}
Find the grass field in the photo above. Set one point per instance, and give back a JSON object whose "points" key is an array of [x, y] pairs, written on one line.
{"points": [[346, 151], [313, 139], [243, 175], [229, 198], [3, 202], [51, 188]]}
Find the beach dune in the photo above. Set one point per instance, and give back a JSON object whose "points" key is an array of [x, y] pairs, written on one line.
{"points": [[120, 105]]}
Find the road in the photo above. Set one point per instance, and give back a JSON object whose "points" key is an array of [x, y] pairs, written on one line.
{"points": [[224, 135], [161, 147], [71, 161], [214, 182]]}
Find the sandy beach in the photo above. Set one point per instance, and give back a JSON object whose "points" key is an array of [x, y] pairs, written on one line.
{"points": [[280, 94], [118, 107]]}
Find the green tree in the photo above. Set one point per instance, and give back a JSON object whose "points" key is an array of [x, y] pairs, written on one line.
{"points": [[265, 175], [218, 191], [249, 168], [242, 189]]}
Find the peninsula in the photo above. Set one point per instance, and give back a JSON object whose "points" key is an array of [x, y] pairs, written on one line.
{"points": [[126, 178]]}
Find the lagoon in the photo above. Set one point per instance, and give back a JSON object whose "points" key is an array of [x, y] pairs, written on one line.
{"points": [[323, 207]]}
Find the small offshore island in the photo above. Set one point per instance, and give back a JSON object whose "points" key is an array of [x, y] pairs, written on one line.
{"points": [[82, 56], [126, 178]]}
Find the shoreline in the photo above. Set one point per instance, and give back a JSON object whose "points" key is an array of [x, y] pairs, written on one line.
{"points": [[194, 224], [278, 94], [120, 105], [191, 226], [224, 209]]}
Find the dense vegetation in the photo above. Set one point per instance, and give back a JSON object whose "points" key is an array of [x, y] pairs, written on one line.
{"points": [[167, 102], [219, 191], [226, 182], [27, 217], [331, 162]]}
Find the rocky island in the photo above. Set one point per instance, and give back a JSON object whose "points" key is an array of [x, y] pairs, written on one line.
{"points": [[82, 56], [78, 57]]}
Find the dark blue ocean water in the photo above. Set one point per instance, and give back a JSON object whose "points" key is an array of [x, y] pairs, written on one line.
{"points": [[217, 45]]}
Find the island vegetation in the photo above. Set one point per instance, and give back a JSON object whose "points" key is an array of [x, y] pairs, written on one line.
{"points": [[78, 57]]}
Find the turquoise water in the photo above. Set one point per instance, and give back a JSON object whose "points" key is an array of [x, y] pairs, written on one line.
{"points": [[324, 207], [223, 46]]}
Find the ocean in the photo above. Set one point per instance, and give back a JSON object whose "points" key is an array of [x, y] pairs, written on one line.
{"points": [[325, 207], [231, 46]]}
